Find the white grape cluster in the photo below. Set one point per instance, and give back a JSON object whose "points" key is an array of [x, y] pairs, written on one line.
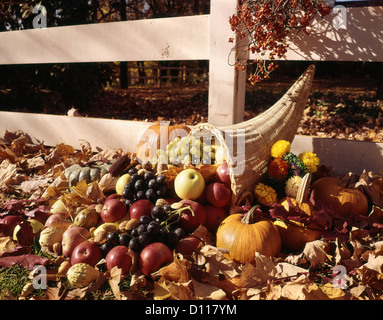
{"points": [[190, 149]]}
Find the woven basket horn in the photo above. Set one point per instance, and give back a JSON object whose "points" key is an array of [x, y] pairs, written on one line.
{"points": [[247, 144]]}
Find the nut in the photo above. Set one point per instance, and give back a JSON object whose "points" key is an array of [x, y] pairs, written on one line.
{"points": [[57, 247]]}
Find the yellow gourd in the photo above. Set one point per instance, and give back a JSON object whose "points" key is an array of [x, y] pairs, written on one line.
{"points": [[81, 275]]}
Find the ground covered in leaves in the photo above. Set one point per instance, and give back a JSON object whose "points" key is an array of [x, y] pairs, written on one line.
{"points": [[31, 178], [343, 109]]}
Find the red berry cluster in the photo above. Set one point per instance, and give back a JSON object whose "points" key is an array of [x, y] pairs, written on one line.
{"points": [[267, 23]]}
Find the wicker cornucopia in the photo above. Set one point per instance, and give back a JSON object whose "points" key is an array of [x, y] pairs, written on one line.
{"points": [[247, 144]]}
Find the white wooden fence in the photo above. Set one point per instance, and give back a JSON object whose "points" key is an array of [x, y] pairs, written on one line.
{"points": [[203, 37]]}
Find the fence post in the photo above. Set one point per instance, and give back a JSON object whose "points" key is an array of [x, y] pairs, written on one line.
{"points": [[226, 90]]}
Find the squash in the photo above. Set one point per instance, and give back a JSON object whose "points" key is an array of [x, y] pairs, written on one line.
{"points": [[243, 235], [157, 136], [345, 201], [294, 234], [301, 198], [81, 275], [77, 173], [86, 218]]}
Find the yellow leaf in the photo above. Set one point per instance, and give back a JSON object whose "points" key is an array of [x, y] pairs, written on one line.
{"points": [[333, 293]]}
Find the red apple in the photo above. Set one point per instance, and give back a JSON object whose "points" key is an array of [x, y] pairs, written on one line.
{"points": [[191, 220], [218, 194], [154, 256], [171, 200], [8, 224], [72, 237], [188, 245], [113, 210], [223, 174], [87, 252], [120, 257], [113, 196], [214, 217], [140, 208]]}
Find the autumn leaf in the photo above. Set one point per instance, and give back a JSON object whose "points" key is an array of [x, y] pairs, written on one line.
{"points": [[205, 291], [7, 244], [315, 253], [7, 172], [161, 291], [299, 288], [27, 261], [177, 271], [333, 293], [258, 273]]}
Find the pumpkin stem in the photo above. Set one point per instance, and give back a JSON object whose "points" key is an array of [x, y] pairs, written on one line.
{"points": [[251, 217], [347, 180]]}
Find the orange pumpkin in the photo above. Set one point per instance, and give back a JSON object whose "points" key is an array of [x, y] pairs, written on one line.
{"points": [[243, 235], [157, 136], [344, 201]]}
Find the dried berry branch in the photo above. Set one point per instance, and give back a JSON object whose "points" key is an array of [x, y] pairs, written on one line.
{"points": [[267, 23]]}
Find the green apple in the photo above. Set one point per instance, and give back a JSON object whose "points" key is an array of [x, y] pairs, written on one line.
{"points": [[189, 184]]}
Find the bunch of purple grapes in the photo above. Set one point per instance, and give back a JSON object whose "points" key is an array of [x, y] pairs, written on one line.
{"points": [[161, 226], [146, 185]]}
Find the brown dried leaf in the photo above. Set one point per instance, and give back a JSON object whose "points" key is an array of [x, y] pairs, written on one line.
{"points": [[180, 291], [205, 235], [375, 264], [287, 270], [86, 148], [216, 263], [177, 271], [161, 291], [36, 163], [301, 288], [171, 173], [7, 172], [60, 153], [114, 278], [253, 275], [206, 291], [107, 154], [7, 244], [37, 183], [6, 153], [315, 253], [207, 171], [108, 182]]}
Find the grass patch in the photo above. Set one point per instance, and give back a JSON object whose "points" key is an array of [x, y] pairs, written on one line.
{"points": [[12, 281]]}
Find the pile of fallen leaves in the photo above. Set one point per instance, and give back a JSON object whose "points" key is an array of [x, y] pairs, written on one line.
{"points": [[31, 178]]}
